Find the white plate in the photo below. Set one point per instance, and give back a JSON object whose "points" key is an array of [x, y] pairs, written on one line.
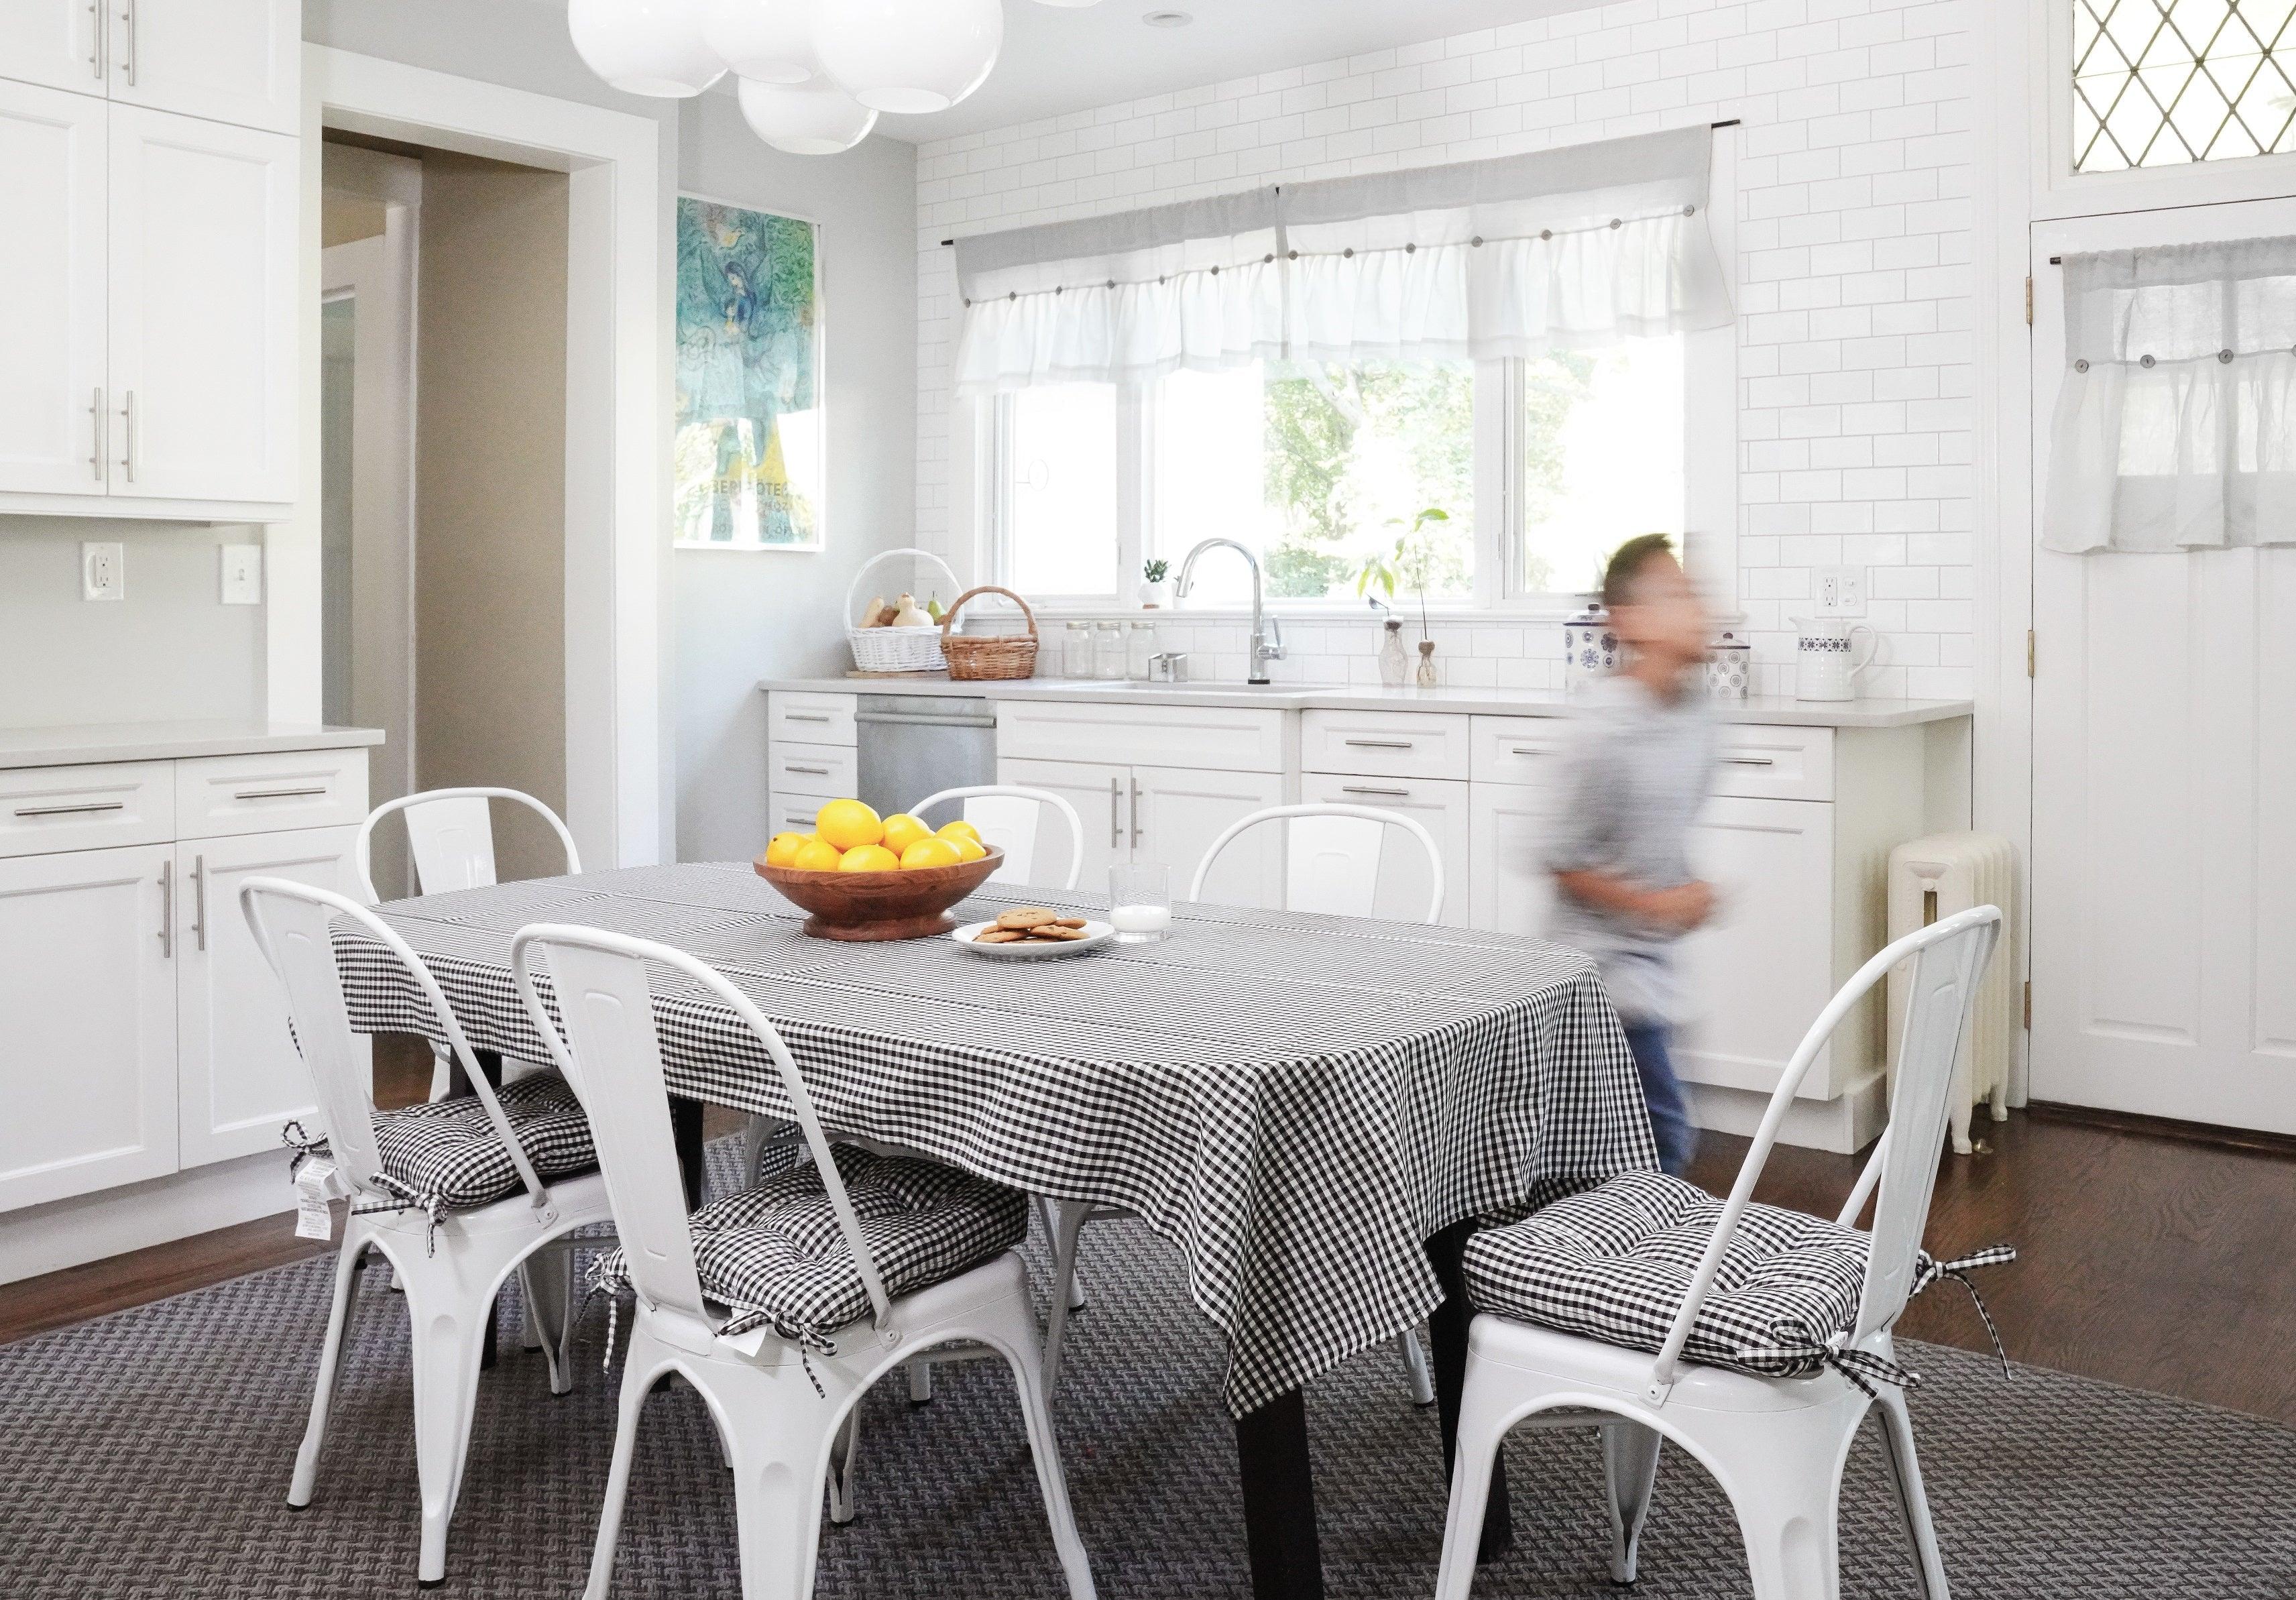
{"points": [[1095, 934]]}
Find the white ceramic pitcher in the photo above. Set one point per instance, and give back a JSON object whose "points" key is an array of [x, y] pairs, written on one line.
{"points": [[1829, 657]]}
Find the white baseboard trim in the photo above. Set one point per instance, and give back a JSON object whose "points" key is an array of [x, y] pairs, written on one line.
{"points": [[90, 1227], [1845, 1124]]}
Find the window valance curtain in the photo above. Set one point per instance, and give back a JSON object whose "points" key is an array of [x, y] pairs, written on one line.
{"points": [[1558, 249], [2176, 428]]}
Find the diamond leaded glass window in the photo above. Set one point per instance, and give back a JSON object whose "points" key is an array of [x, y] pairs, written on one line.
{"points": [[2157, 83]]}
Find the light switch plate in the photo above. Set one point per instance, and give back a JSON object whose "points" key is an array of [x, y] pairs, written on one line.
{"points": [[1838, 591], [243, 574], [102, 571]]}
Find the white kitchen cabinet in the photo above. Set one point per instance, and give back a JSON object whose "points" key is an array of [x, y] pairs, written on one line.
{"points": [[87, 986], [203, 292], [1440, 805], [1224, 738], [1100, 793], [228, 61], [1514, 892], [1157, 814], [54, 42], [239, 1080], [1400, 744], [52, 294]]}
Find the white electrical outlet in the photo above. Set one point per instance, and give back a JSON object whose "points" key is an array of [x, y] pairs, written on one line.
{"points": [[243, 574], [102, 571], [1840, 591]]}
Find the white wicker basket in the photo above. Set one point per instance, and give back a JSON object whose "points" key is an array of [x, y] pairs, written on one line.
{"points": [[894, 649]]}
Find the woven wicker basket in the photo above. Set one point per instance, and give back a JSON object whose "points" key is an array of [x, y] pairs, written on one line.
{"points": [[893, 648], [1002, 656]]}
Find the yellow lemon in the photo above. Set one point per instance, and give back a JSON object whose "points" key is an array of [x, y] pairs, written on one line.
{"points": [[848, 824], [782, 851], [816, 855], [902, 831], [960, 829], [930, 851], [868, 859], [967, 850]]}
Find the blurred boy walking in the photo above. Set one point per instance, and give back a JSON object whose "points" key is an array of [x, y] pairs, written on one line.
{"points": [[1635, 775]]}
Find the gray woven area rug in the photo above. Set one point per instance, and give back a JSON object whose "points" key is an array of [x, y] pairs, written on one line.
{"points": [[148, 1454]]}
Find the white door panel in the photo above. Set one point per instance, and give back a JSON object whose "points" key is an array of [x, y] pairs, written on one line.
{"points": [[1404, 883], [52, 290], [230, 61], [1512, 891], [53, 42], [1175, 813], [1098, 793]]}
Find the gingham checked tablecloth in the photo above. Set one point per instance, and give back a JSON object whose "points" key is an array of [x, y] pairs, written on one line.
{"points": [[1296, 1101]]}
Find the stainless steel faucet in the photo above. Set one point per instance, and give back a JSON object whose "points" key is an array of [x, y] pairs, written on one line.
{"points": [[1267, 635]]}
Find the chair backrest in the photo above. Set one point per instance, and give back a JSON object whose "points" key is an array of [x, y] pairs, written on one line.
{"points": [[610, 1052], [1007, 816], [292, 924], [1949, 958], [1332, 855], [450, 835]]}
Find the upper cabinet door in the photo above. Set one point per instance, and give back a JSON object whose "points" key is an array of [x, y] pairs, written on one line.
{"points": [[202, 365], [231, 60], [51, 291], [53, 42]]}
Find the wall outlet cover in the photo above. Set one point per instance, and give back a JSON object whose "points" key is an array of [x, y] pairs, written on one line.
{"points": [[102, 571], [243, 574], [1840, 591]]}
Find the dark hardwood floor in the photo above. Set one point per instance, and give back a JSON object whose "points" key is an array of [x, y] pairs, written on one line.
{"points": [[2147, 1260]]}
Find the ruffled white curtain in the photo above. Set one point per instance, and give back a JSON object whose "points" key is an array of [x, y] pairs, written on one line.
{"points": [[1559, 250], [2176, 428]]}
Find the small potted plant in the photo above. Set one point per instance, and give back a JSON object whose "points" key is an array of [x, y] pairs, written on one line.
{"points": [[1411, 561], [1152, 588]]}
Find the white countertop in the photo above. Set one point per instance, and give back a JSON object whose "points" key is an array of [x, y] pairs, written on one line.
{"points": [[1777, 712], [76, 744]]}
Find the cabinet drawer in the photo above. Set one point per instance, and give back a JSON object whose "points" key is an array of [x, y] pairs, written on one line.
{"points": [[1401, 745], [1517, 749], [1438, 804], [1208, 738], [809, 719], [792, 813], [47, 808], [1762, 762], [221, 795], [827, 771]]}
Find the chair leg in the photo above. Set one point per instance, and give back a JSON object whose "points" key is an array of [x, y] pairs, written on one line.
{"points": [[1414, 1363], [449, 1325], [843, 1455], [1787, 1512], [546, 1278], [639, 1378], [921, 1383], [348, 1266], [1075, 1279], [1906, 1477], [1069, 1220], [1630, 1467], [530, 1330], [1016, 1341], [1479, 1436], [776, 1430]]}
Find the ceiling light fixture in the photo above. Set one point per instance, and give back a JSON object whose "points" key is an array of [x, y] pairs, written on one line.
{"points": [[909, 56], [652, 47], [815, 118], [764, 41], [1168, 19]]}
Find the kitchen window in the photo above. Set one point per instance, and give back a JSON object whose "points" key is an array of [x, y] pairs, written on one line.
{"points": [[2159, 83]]}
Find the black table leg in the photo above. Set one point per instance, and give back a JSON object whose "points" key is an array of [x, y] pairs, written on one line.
{"points": [[1447, 1326], [1279, 1500], [490, 1063], [685, 1132]]}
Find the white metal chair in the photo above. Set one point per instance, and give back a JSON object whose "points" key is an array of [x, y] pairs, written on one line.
{"points": [[1331, 865], [1775, 1443], [784, 1410], [450, 1263], [1008, 816]]}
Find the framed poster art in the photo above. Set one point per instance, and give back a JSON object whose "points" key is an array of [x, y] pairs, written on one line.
{"points": [[750, 441]]}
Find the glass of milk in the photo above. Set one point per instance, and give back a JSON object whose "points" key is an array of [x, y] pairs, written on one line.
{"points": [[1140, 902]]}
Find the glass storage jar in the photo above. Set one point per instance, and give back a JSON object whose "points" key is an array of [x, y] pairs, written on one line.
{"points": [[1108, 650], [1076, 651], [1139, 647]]}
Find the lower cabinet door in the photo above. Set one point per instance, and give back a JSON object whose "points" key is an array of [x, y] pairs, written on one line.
{"points": [[239, 1078], [1406, 886], [1175, 813], [87, 1047], [1099, 794], [1514, 892]]}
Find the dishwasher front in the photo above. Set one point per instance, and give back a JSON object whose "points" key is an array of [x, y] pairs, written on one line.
{"points": [[909, 745]]}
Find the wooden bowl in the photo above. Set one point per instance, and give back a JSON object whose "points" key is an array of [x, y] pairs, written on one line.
{"points": [[868, 907]]}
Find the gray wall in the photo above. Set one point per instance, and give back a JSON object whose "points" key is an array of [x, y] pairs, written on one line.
{"points": [[744, 615]]}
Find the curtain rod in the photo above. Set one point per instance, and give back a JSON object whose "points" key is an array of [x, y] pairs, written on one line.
{"points": [[1726, 122]]}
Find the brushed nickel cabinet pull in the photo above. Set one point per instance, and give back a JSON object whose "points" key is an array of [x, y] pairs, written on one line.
{"points": [[1380, 744], [166, 909], [1370, 789], [128, 416], [200, 899], [1525, 750], [81, 809], [103, 429], [805, 715], [96, 18], [1750, 760], [254, 794], [819, 772], [1115, 822], [129, 15], [1136, 814]]}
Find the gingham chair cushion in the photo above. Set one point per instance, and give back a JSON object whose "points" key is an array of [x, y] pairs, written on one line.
{"points": [[447, 1153], [773, 1254], [1613, 1264]]}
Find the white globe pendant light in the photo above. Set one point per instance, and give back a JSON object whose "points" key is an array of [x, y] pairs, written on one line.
{"points": [[764, 41], [815, 118], [645, 47], [908, 56]]}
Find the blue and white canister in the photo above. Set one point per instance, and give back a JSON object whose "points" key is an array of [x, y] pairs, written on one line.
{"points": [[1590, 649], [1729, 668]]}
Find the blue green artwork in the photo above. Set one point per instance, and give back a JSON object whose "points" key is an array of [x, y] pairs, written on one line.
{"points": [[748, 440]]}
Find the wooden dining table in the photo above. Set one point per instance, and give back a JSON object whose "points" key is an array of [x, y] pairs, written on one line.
{"points": [[1315, 1110]]}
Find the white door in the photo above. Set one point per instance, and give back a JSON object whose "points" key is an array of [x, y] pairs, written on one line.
{"points": [[87, 986], [1405, 885], [1512, 891], [1172, 815], [2164, 785], [1096, 793], [203, 281], [238, 1077], [51, 291], [53, 42], [1755, 977], [229, 60]]}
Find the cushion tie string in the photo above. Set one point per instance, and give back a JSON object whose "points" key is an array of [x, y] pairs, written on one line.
{"points": [[433, 1206], [1957, 1269], [1791, 1340], [306, 1148], [810, 1341]]}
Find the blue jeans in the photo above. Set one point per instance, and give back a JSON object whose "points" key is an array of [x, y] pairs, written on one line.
{"points": [[1669, 1111]]}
